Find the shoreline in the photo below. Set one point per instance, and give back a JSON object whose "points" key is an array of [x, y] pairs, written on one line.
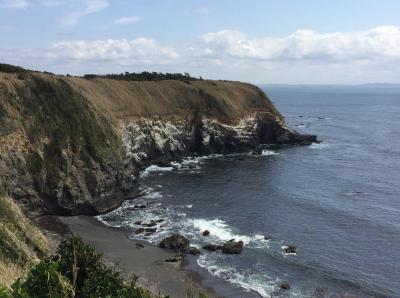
{"points": [[131, 257]]}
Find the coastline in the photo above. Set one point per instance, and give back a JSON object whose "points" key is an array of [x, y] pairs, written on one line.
{"points": [[133, 257]]}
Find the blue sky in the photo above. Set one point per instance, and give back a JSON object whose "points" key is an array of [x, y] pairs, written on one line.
{"points": [[260, 41]]}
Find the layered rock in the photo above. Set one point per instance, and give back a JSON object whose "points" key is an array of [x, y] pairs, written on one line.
{"points": [[74, 146]]}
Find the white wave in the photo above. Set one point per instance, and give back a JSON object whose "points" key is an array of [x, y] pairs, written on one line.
{"points": [[260, 283], [268, 152], [153, 169], [318, 146], [287, 254], [218, 229]]}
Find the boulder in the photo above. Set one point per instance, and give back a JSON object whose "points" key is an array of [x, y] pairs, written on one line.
{"points": [[175, 242], [206, 233], [267, 237], [212, 247], [194, 251], [233, 247]]}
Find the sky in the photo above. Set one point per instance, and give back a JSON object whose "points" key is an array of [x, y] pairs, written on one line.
{"points": [[258, 41]]}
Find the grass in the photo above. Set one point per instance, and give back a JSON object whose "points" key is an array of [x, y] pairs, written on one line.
{"points": [[21, 242]]}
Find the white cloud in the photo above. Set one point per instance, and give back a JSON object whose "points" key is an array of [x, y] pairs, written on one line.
{"points": [[304, 56], [137, 51], [126, 20], [89, 7], [375, 43], [52, 3], [17, 4], [21, 4]]}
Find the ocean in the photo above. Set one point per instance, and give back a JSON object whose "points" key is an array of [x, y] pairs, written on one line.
{"points": [[338, 201]]}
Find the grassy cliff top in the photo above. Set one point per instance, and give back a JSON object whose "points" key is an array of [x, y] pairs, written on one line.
{"points": [[120, 98]]}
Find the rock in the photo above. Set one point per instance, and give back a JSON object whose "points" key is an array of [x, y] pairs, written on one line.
{"points": [[285, 286], [267, 237], [151, 224], [175, 242], [174, 259], [139, 245], [159, 220], [150, 230], [233, 247], [194, 251], [139, 231], [138, 223], [290, 249], [140, 206], [212, 247], [206, 233]]}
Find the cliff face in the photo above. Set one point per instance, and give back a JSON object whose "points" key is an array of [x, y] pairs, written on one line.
{"points": [[71, 145]]}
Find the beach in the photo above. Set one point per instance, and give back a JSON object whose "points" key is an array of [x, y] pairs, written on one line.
{"points": [[133, 257]]}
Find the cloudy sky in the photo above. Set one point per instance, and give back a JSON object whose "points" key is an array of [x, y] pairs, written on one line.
{"points": [[260, 41]]}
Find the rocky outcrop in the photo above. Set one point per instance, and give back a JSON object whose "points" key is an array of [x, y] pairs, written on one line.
{"points": [[176, 242], [75, 146], [233, 247]]}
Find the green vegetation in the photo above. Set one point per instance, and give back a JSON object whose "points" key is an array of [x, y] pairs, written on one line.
{"points": [[144, 76], [58, 121], [62, 115], [76, 271], [11, 69]]}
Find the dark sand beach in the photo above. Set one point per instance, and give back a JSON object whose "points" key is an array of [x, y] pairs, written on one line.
{"points": [[136, 257]]}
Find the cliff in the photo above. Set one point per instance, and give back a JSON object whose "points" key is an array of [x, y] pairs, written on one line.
{"points": [[71, 145]]}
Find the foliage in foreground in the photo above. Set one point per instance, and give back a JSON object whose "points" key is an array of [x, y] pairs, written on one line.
{"points": [[76, 271]]}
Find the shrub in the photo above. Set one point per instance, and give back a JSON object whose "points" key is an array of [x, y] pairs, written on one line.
{"points": [[44, 280], [4, 292]]}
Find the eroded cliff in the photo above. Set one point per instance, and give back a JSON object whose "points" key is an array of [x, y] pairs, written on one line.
{"points": [[71, 145]]}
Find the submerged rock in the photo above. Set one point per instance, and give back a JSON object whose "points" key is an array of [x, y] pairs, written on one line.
{"points": [[139, 231], [212, 247], [233, 247], [175, 242], [285, 286]]}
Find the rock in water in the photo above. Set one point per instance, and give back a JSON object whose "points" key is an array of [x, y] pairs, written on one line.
{"points": [[290, 249], [285, 286], [194, 251], [212, 247], [233, 247], [175, 242], [206, 233]]}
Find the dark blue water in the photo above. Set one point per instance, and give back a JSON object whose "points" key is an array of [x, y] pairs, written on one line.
{"points": [[338, 202]]}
